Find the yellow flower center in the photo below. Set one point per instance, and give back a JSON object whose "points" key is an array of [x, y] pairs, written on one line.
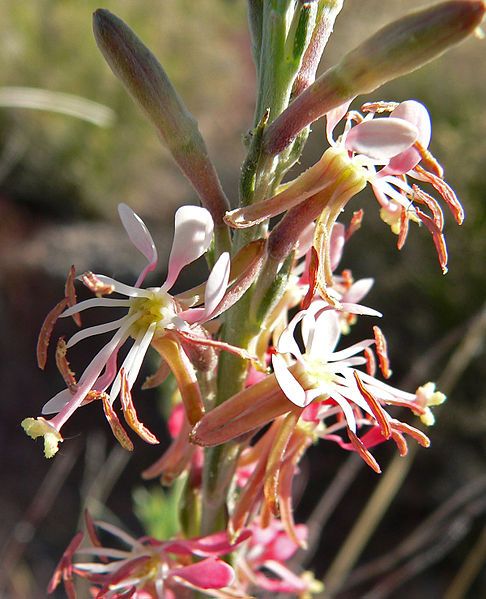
{"points": [[313, 373], [158, 308]]}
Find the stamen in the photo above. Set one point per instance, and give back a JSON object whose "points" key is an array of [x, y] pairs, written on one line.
{"points": [[379, 107], [404, 225], [363, 452], [130, 413], [400, 443], [70, 293], [382, 352], [445, 191], [424, 198], [313, 271], [428, 160], [378, 412], [354, 223], [46, 332], [370, 361], [419, 436], [95, 285], [438, 239], [63, 365], [115, 424]]}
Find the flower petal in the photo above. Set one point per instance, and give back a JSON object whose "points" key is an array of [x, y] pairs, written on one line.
{"points": [[95, 302], [333, 117], [139, 235], [336, 245], [98, 329], [217, 283], [287, 382], [192, 237], [210, 573], [416, 113], [286, 342], [381, 139], [326, 335]]}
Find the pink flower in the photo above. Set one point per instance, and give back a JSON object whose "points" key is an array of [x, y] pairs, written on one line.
{"points": [[152, 314], [148, 567], [262, 562], [373, 142]]}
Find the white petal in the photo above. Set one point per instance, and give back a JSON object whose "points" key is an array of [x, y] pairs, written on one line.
{"points": [[56, 403], [96, 330], [122, 288], [326, 335], [93, 371], [286, 342], [352, 350], [217, 283], [96, 302], [192, 237], [359, 309], [381, 139], [287, 382], [347, 410], [138, 233], [142, 350]]}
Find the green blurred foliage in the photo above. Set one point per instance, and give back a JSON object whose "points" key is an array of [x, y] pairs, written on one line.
{"points": [[158, 509], [67, 167]]}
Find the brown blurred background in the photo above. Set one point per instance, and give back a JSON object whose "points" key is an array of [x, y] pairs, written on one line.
{"points": [[60, 181]]}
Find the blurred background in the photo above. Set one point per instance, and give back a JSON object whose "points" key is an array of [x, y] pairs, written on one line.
{"points": [[61, 178]]}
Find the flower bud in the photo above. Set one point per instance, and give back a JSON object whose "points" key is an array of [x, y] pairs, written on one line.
{"points": [[396, 49], [138, 69]]}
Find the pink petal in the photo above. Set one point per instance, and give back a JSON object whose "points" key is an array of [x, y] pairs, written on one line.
{"points": [[287, 382], [57, 403], [414, 112], [217, 283], [305, 240], [288, 582], [211, 573], [216, 544], [283, 548], [338, 238], [333, 117], [358, 290], [140, 237], [381, 139], [192, 237], [176, 420]]}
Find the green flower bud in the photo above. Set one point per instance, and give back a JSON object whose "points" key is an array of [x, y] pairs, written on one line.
{"points": [[148, 84], [396, 49]]}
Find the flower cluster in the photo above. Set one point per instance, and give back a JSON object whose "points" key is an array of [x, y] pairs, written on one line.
{"points": [[258, 353]]}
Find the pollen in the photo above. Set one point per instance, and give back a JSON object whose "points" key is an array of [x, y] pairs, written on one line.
{"points": [[39, 427]]}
